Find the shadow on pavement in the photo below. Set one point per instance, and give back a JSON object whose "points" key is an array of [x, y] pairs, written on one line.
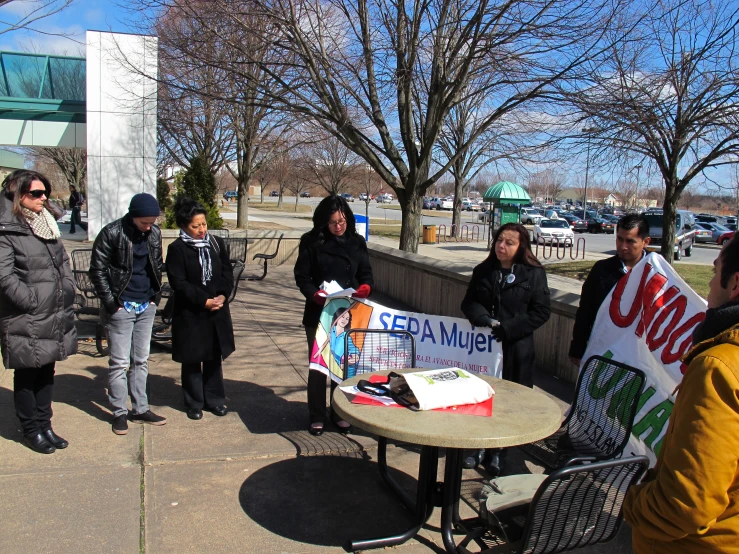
{"points": [[323, 500]]}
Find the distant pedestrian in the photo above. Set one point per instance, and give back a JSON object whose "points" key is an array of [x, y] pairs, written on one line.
{"points": [[201, 277], [126, 269], [36, 297], [75, 205]]}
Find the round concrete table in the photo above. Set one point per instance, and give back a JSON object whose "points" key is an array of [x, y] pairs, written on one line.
{"points": [[520, 415]]}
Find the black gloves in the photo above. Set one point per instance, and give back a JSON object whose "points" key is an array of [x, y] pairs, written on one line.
{"points": [[498, 332], [484, 321]]}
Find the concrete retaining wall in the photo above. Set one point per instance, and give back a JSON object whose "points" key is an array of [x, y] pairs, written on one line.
{"points": [[433, 287]]}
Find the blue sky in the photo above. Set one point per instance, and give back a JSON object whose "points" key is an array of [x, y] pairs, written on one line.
{"points": [[82, 15]]}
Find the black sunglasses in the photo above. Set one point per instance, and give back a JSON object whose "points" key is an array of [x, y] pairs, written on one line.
{"points": [[38, 193]]}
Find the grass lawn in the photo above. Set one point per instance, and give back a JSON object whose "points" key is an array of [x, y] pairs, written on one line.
{"points": [[286, 207], [696, 275]]}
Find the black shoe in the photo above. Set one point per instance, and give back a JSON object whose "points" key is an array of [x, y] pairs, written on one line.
{"points": [[194, 413], [493, 462], [55, 439], [149, 417], [120, 424], [39, 444], [316, 429], [220, 411], [472, 461], [344, 429]]}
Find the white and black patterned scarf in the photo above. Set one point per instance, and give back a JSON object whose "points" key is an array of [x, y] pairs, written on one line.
{"points": [[42, 224], [203, 247]]}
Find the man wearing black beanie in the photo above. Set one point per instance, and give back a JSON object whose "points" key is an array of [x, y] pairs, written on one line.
{"points": [[126, 269]]}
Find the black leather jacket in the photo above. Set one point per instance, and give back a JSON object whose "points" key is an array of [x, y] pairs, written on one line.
{"points": [[112, 260]]}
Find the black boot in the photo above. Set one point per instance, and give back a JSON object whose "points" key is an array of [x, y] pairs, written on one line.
{"points": [[55, 439], [494, 461], [39, 444], [473, 460]]}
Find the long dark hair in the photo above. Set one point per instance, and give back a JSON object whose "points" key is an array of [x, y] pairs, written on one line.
{"points": [[524, 255], [328, 207], [18, 183], [338, 313]]}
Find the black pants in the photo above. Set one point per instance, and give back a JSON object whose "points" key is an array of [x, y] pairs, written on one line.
{"points": [[316, 385], [76, 219], [202, 384], [32, 391]]}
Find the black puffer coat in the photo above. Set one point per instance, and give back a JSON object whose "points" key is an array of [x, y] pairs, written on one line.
{"points": [[521, 307], [344, 261], [36, 296], [195, 329]]}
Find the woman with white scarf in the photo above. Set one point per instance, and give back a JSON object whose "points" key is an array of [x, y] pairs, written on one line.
{"points": [[201, 277], [36, 298]]}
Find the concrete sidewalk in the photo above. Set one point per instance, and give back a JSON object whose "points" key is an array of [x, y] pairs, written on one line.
{"points": [[253, 481]]}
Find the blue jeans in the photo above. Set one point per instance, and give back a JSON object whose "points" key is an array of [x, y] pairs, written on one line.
{"points": [[129, 339]]}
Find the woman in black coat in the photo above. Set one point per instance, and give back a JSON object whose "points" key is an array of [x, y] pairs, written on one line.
{"points": [[36, 299], [331, 251], [201, 277], [508, 292]]}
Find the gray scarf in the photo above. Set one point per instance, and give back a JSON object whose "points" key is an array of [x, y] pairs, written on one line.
{"points": [[42, 224], [202, 246]]}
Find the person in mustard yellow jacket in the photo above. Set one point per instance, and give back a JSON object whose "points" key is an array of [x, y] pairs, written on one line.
{"points": [[689, 502]]}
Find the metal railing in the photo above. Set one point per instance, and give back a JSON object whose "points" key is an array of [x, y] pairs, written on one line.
{"points": [[559, 248]]}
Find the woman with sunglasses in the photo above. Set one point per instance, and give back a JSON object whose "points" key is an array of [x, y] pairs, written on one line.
{"points": [[36, 298], [331, 251]]}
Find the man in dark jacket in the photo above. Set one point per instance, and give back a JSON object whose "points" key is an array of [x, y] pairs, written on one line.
{"points": [[632, 236], [126, 269]]}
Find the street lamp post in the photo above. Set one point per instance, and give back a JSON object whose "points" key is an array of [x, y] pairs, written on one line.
{"points": [[636, 195], [587, 130]]}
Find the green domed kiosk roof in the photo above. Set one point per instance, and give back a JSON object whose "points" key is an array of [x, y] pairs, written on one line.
{"points": [[506, 192]]}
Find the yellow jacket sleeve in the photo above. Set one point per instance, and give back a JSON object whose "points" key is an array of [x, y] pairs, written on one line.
{"points": [[697, 465]]}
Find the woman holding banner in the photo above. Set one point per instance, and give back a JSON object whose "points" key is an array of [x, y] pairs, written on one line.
{"points": [[331, 251], [508, 292]]}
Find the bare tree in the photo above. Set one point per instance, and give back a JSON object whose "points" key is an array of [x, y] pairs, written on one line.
{"points": [[670, 97], [27, 19], [625, 192], [300, 172], [333, 164], [383, 75], [369, 184], [546, 185], [71, 163]]}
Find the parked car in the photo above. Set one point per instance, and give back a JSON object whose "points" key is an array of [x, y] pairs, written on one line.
{"points": [[274, 193], [731, 226], [305, 194], [719, 233], [470, 205], [230, 195], [610, 218], [554, 230], [427, 203], [441, 203], [600, 225], [576, 224], [703, 232], [363, 196], [384, 198], [684, 231], [347, 196], [530, 216], [551, 214]]}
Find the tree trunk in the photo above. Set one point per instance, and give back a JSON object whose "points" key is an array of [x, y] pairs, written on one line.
{"points": [[297, 197], [279, 200], [669, 217], [411, 226], [457, 205], [242, 205]]}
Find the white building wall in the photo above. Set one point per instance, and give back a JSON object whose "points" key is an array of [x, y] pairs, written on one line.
{"points": [[121, 123]]}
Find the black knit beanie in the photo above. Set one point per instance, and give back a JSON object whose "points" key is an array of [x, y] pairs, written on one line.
{"points": [[143, 205]]}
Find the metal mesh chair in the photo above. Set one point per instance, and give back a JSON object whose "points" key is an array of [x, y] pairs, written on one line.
{"points": [[600, 419], [236, 247], [238, 269], [265, 258], [87, 305], [574, 507], [223, 233], [380, 349]]}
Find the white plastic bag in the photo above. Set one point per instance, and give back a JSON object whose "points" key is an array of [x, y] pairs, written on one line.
{"points": [[442, 388]]}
